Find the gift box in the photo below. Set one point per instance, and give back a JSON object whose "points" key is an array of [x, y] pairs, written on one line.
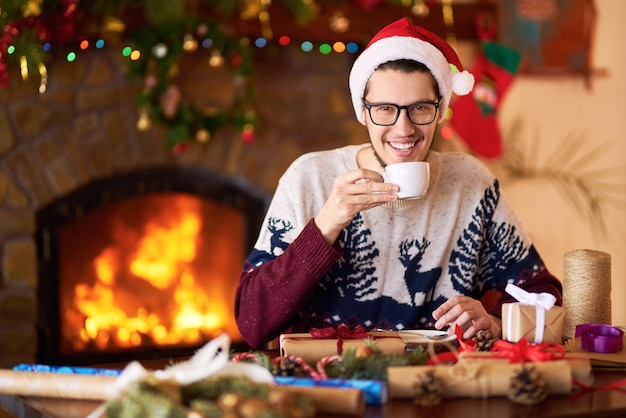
{"points": [[311, 349], [520, 321]]}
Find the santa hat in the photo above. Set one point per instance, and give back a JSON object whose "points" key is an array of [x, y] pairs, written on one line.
{"points": [[403, 40]]}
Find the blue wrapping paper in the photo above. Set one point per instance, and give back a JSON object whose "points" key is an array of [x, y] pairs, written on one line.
{"points": [[374, 391], [44, 368]]}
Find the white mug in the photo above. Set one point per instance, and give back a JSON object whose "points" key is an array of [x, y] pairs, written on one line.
{"points": [[412, 177]]}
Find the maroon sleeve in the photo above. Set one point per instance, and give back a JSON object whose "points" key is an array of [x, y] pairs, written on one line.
{"points": [[269, 297], [541, 282]]}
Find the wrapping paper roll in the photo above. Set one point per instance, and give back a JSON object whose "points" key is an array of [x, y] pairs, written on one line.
{"points": [[57, 385], [311, 349], [374, 391], [478, 378], [586, 289], [332, 400], [580, 366], [327, 400]]}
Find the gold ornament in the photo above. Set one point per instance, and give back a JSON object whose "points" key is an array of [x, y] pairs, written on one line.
{"points": [[420, 8], [32, 8], [339, 23], [203, 136], [113, 24], [264, 19], [216, 59], [24, 67], [189, 43], [143, 123], [43, 72], [251, 10]]}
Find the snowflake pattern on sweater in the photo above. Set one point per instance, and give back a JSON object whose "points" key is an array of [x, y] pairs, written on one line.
{"points": [[400, 263]]}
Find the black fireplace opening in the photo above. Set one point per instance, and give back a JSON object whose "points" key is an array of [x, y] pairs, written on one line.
{"points": [[143, 265]]}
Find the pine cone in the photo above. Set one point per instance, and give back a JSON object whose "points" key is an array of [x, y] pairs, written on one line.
{"points": [[286, 367], [428, 390], [527, 387], [483, 340]]}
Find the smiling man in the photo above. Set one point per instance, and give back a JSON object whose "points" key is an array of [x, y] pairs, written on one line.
{"points": [[337, 245]]}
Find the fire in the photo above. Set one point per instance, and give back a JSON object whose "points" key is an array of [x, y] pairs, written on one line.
{"points": [[147, 286], [164, 251]]}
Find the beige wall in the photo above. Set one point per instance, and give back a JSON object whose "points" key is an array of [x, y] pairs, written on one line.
{"points": [[555, 110]]}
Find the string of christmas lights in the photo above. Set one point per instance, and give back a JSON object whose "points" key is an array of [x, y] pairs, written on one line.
{"points": [[33, 29]]}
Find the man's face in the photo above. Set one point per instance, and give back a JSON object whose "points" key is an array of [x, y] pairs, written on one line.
{"points": [[403, 141]]}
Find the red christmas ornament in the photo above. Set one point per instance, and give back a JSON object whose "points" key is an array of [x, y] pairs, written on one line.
{"points": [[4, 75], [181, 147], [236, 60], [248, 136]]}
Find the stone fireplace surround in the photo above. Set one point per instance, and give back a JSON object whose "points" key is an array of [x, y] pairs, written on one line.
{"points": [[83, 130], [230, 192]]}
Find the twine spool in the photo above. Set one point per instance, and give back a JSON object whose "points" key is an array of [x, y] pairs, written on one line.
{"points": [[586, 289]]}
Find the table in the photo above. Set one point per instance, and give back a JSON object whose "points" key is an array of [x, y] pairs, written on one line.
{"points": [[606, 403]]}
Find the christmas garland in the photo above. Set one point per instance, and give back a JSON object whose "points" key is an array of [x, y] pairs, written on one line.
{"points": [[365, 362], [167, 30], [32, 27], [226, 396], [161, 101]]}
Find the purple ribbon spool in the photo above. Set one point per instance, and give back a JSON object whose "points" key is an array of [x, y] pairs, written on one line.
{"points": [[600, 338]]}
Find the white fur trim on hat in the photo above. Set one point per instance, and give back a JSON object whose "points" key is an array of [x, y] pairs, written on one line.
{"points": [[406, 47]]}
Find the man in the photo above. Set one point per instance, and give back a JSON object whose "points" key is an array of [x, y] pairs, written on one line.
{"points": [[338, 247]]}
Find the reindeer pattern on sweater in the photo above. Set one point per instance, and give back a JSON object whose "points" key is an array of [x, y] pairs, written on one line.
{"points": [[401, 262]]}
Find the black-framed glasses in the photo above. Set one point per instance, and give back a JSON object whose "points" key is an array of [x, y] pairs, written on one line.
{"points": [[386, 114]]}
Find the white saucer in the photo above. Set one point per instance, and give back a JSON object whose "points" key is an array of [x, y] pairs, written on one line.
{"points": [[425, 336]]}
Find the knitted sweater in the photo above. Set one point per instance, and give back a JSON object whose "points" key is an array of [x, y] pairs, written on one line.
{"points": [[392, 266]]}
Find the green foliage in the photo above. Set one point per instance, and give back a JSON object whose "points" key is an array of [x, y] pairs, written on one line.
{"points": [[212, 388], [143, 399], [374, 367]]}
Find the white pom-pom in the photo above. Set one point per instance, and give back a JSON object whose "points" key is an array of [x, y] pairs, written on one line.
{"points": [[462, 83]]}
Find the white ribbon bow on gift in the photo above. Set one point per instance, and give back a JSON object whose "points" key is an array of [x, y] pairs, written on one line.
{"points": [[210, 360], [541, 302]]}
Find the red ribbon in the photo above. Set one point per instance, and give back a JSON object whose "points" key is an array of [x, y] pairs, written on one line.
{"points": [[340, 333], [516, 352], [523, 351], [620, 386]]}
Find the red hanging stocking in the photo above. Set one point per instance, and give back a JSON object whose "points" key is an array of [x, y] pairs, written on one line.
{"points": [[474, 116]]}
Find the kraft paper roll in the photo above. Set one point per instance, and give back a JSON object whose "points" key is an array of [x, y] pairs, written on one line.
{"points": [[312, 349], [101, 388], [478, 378], [586, 289], [57, 385], [333, 400], [580, 366]]}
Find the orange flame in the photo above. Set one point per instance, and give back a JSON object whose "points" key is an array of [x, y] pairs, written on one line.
{"points": [[146, 286]]}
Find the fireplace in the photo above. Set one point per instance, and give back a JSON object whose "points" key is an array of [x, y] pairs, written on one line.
{"points": [[143, 265]]}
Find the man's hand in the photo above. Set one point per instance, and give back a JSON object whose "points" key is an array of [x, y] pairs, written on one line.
{"points": [[469, 314], [352, 193]]}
